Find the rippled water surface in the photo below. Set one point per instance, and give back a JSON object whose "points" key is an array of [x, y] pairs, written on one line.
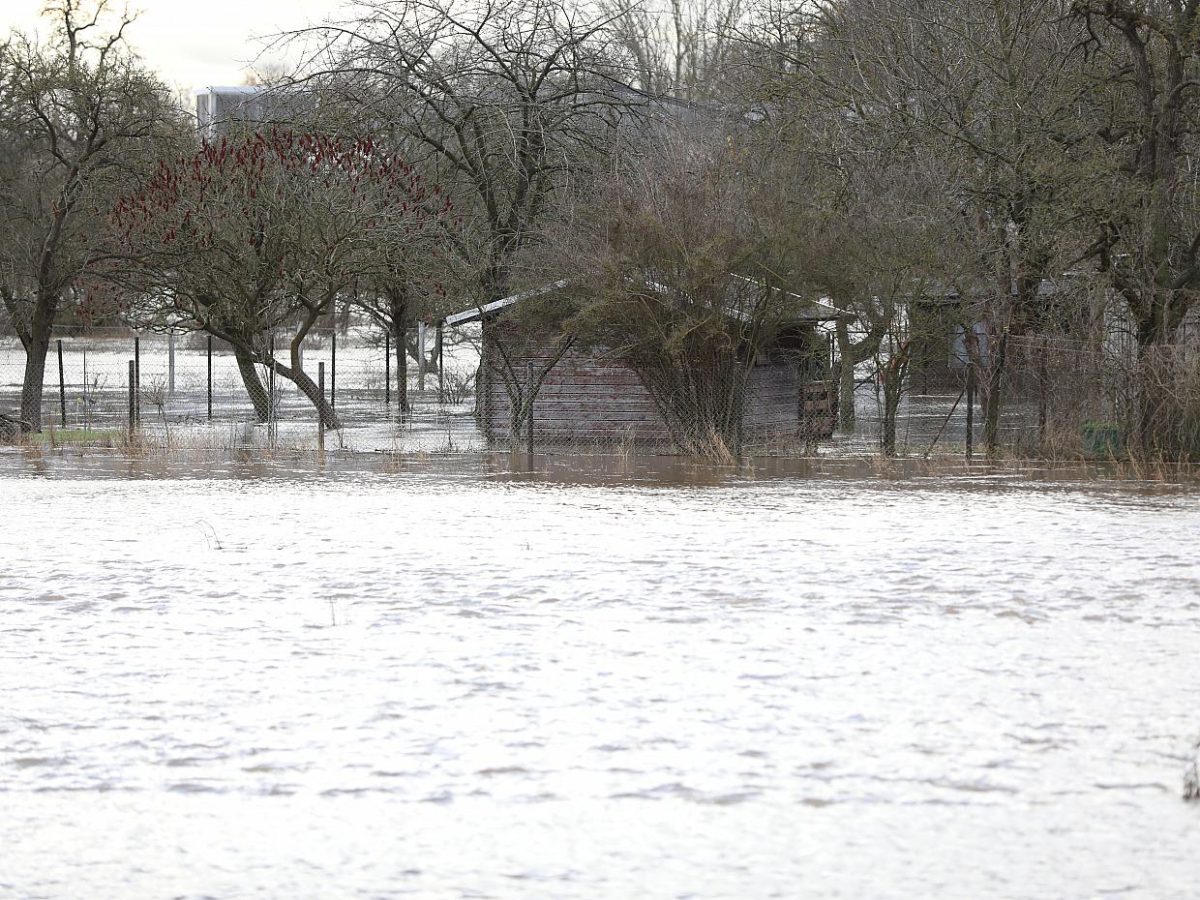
{"points": [[461, 684]]}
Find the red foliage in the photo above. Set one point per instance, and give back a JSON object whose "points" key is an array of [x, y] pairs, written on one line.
{"points": [[240, 192]]}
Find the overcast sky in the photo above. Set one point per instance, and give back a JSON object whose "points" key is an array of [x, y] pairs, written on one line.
{"points": [[194, 43]]}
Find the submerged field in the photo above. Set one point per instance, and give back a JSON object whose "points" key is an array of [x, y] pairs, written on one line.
{"points": [[374, 679]]}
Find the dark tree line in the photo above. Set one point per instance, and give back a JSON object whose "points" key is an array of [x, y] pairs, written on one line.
{"points": [[870, 152]]}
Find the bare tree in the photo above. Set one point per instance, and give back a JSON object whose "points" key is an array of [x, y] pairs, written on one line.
{"points": [[503, 102], [687, 278], [678, 48], [79, 117], [1144, 60], [991, 91], [264, 233]]}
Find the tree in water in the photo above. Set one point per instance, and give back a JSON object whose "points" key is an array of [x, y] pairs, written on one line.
{"points": [[262, 234], [689, 283], [79, 117], [511, 102]]}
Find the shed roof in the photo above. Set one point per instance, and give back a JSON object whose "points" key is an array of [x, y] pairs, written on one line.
{"points": [[814, 311], [476, 313]]}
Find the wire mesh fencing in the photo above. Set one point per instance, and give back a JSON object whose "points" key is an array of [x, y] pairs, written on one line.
{"points": [[1043, 396], [191, 382], [1056, 397]]}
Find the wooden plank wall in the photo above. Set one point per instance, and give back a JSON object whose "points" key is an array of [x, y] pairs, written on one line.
{"points": [[581, 400], [586, 400]]}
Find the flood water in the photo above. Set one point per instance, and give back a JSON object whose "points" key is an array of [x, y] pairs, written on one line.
{"points": [[462, 683]]}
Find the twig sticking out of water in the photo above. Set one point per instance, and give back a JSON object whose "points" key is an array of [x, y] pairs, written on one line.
{"points": [[1191, 776], [210, 535]]}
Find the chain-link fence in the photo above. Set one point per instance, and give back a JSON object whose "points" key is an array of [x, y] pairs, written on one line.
{"points": [[190, 384], [1046, 396], [1057, 397]]}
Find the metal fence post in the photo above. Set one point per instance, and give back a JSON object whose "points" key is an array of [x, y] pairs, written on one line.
{"points": [[272, 413], [137, 378], [210, 378], [529, 405], [420, 356], [132, 396], [387, 368], [171, 363], [333, 365], [437, 349], [320, 417], [62, 387]]}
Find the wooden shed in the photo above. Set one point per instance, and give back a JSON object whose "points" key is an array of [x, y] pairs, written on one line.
{"points": [[590, 398]]}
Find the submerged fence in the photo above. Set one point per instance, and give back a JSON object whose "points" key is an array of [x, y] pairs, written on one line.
{"points": [[186, 380], [1047, 396], [1057, 398]]}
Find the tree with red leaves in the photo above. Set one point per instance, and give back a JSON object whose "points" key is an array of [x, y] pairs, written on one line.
{"points": [[256, 235]]}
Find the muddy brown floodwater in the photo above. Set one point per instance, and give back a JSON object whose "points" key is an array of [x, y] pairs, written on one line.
{"points": [[453, 682]]}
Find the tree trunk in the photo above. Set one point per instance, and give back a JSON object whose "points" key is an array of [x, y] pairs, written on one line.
{"points": [[894, 372], [398, 330], [312, 391], [37, 347], [254, 386], [991, 413], [891, 406], [35, 374], [1043, 382], [519, 411], [1149, 401], [522, 392], [847, 420], [1155, 331]]}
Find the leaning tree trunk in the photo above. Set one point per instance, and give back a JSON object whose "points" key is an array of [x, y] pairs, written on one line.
{"points": [[254, 386], [312, 391]]}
